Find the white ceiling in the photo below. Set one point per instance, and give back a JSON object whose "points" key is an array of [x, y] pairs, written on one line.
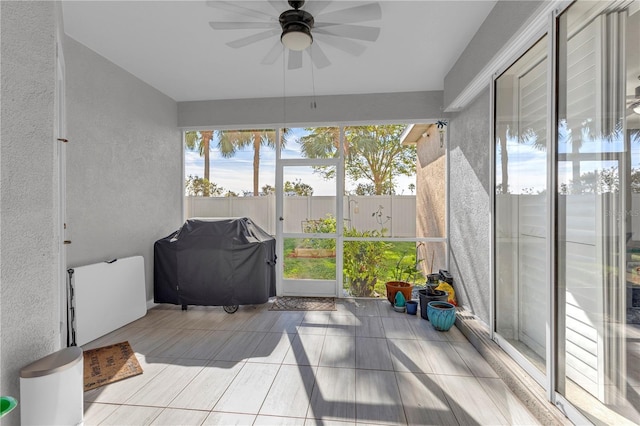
{"points": [[170, 45]]}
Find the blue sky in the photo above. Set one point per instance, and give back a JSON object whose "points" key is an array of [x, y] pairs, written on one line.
{"points": [[236, 173], [528, 165]]}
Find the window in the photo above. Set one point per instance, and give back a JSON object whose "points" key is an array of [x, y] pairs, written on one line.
{"points": [[231, 173], [384, 184]]}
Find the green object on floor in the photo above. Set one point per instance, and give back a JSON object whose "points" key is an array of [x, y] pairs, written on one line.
{"points": [[7, 403], [400, 300]]}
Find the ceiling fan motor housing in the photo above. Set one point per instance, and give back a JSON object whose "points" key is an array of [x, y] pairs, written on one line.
{"points": [[296, 21], [296, 4], [297, 26]]}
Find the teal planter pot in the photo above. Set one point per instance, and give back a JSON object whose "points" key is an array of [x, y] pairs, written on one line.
{"points": [[441, 314], [7, 404]]}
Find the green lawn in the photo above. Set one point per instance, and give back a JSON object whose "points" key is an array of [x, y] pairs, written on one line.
{"points": [[307, 268], [324, 268]]}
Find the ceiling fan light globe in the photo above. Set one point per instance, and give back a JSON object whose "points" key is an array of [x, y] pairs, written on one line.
{"points": [[296, 39], [636, 107]]}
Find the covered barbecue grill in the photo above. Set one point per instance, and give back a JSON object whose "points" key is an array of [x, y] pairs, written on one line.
{"points": [[215, 262]]}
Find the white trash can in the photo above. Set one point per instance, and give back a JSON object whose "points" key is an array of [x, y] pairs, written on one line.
{"points": [[51, 389]]}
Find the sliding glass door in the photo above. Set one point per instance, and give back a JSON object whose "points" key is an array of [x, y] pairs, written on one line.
{"points": [[567, 211], [598, 221], [521, 224]]}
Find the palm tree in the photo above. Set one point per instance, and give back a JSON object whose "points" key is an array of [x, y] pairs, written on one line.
{"points": [[201, 140], [502, 132], [231, 141], [323, 142], [374, 153]]}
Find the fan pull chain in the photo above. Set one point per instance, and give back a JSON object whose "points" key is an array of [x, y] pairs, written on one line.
{"points": [[284, 88], [313, 81]]}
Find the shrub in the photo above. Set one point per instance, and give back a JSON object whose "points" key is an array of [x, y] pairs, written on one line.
{"points": [[363, 261]]}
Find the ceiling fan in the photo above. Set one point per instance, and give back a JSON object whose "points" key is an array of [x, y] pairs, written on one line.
{"points": [[300, 31]]}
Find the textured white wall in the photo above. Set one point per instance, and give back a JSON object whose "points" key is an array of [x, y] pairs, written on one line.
{"points": [[352, 109], [504, 20], [470, 210], [29, 202], [124, 162], [431, 198]]}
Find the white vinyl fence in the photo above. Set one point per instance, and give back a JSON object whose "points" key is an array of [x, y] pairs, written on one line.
{"points": [[394, 213]]}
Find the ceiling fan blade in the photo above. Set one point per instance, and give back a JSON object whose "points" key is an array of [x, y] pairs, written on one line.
{"points": [[279, 5], [316, 7], [295, 59], [241, 25], [273, 53], [349, 46], [236, 8], [361, 13], [358, 32], [318, 57], [245, 41]]}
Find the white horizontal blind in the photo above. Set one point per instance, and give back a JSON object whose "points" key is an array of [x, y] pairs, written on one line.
{"points": [[532, 99], [532, 217], [584, 276], [583, 57]]}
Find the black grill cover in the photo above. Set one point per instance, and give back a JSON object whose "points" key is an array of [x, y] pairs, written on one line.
{"points": [[215, 262]]}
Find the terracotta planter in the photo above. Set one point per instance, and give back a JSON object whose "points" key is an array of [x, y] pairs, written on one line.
{"points": [[395, 286]]}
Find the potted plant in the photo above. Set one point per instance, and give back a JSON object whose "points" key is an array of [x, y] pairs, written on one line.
{"points": [[432, 279], [442, 314], [404, 275], [430, 293]]}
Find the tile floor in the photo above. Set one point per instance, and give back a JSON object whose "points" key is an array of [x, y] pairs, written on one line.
{"points": [[361, 364]]}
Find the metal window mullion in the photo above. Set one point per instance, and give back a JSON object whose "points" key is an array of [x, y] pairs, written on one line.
{"points": [[182, 179], [315, 235], [447, 194], [340, 214], [397, 239], [279, 209], [492, 206], [552, 138]]}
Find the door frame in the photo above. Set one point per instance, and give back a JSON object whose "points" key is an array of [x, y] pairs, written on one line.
{"points": [[60, 131], [289, 287]]}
